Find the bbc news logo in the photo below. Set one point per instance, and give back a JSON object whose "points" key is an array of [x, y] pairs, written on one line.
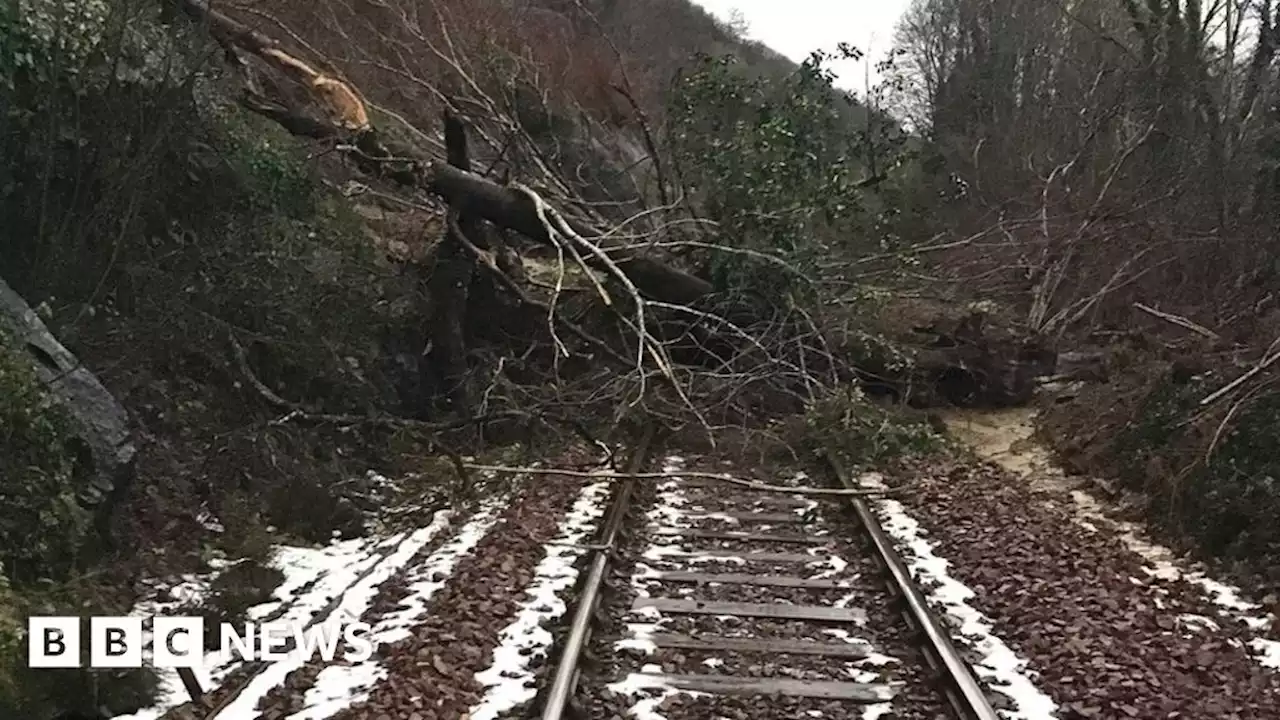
{"points": [[178, 642]]}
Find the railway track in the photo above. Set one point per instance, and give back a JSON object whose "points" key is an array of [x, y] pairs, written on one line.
{"points": [[707, 600]]}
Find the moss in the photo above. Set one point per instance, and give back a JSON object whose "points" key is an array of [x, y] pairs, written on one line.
{"points": [[73, 692], [41, 534], [43, 526]]}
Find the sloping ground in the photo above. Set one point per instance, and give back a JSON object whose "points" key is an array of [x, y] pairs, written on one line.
{"points": [[1191, 456]]}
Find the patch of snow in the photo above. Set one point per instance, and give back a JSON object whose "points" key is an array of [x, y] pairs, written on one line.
{"points": [[338, 687], [999, 664], [668, 510], [835, 566], [325, 572], [1267, 652], [510, 680], [356, 590], [674, 509], [1197, 622], [650, 691]]}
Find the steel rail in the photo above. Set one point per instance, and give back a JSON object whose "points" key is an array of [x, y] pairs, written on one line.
{"points": [[566, 678], [965, 694]]}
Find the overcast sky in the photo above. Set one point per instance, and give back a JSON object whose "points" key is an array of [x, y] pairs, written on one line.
{"points": [[796, 28]]}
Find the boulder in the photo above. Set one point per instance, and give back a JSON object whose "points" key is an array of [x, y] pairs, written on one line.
{"points": [[100, 423]]}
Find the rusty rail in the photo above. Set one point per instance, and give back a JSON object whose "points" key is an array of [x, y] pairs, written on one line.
{"points": [[961, 687], [560, 693]]}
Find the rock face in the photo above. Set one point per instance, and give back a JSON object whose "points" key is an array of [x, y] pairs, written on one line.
{"points": [[101, 424]]}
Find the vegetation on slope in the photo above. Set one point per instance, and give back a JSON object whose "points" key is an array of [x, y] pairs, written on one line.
{"points": [[274, 306], [1119, 173]]}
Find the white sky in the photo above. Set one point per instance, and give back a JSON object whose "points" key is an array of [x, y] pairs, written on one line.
{"points": [[796, 28]]}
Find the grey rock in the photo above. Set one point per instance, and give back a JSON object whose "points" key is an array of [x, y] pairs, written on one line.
{"points": [[99, 421]]}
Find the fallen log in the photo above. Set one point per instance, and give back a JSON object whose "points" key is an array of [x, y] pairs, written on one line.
{"points": [[469, 193]]}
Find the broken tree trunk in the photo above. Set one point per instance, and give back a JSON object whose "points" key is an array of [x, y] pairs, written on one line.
{"points": [[451, 285], [469, 193]]}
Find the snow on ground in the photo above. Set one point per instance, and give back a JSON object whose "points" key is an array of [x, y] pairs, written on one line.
{"points": [[667, 511], [999, 665], [349, 569], [338, 687], [510, 679], [672, 510], [190, 589]]}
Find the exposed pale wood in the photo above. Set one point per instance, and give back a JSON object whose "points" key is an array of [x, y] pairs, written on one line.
{"points": [[747, 579], [757, 645], [781, 493], [1269, 358], [1179, 321], [729, 685], [742, 535], [468, 192], [737, 482], [777, 611]]}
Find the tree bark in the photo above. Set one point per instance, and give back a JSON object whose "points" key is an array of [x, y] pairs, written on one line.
{"points": [[451, 286]]}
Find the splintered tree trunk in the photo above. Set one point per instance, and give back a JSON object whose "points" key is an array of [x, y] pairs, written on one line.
{"points": [[451, 288]]}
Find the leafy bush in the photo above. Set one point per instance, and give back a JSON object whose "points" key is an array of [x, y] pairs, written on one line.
{"points": [[1227, 500], [863, 434], [782, 165], [1234, 503]]}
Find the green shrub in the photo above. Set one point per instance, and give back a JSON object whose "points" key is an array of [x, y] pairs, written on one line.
{"points": [[780, 164], [1227, 500], [863, 434], [1235, 501]]}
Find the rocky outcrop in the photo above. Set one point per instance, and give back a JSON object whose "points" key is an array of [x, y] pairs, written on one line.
{"points": [[105, 448]]}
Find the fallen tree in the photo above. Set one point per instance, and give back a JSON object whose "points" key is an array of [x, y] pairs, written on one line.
{"points": [[615, 319], [464, 190]]}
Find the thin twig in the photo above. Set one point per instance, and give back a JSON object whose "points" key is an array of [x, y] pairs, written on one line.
{"points": [[752, 484], [1269, 359], [1179, 321]]}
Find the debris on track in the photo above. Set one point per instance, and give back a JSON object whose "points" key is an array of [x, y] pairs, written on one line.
{"points": [[994, 660]]}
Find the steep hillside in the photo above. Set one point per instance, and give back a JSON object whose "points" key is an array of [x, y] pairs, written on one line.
{"points": [[1115, 169], [296, 242]]}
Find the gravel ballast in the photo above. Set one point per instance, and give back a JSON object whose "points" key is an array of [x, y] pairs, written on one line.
{"points": [[613, 688]]}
